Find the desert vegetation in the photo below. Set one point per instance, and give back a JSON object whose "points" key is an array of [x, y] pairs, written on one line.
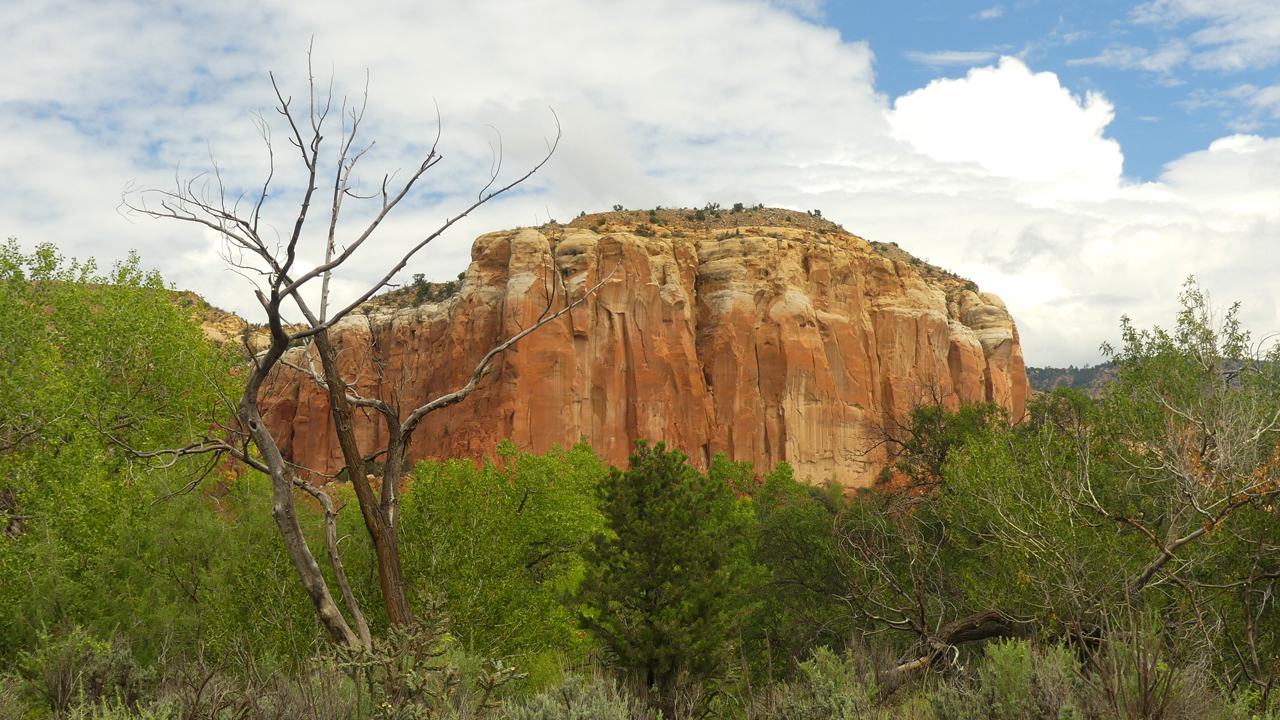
{"points": [[1108, 558], [161, 557]]}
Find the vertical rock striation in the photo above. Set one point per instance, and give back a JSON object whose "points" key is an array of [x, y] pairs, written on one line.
{"points": [[765, 343]]}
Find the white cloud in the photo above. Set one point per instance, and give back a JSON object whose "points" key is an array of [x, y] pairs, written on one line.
{"points": [[1002, 175], [1267, 99], [1244, 108], [1234, 181], [1014, 123], [950, 57], [1127, 57], [1238, 35], [805, 8], [1260, 103], [990, 13]]}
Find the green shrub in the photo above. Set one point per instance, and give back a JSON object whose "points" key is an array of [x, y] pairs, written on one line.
{"points": [[417, 672], [1136, 676], [422, 291], [71, 667], [114, 711], [831, 687], [594, 697], [1015, 681], [11, 705]]}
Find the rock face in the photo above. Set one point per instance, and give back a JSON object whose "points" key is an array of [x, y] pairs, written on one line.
{"points": [[765, 343]]}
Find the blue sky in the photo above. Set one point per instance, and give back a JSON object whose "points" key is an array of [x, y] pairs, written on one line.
{"points": [[1080, 160], [1170, 97]]}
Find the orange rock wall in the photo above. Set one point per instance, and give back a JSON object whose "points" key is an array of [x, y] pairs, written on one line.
{"points": [[769, 345]]}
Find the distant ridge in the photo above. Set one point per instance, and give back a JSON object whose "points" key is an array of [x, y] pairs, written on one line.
{"points": [[1092, 379]]}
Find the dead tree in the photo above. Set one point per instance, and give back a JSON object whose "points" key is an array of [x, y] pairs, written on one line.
{"points": [[282, 276]]}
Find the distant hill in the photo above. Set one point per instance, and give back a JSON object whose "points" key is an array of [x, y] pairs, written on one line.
{"points": [[1092, 379]]}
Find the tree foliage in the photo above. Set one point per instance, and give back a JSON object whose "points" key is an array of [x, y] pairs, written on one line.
{"points": [[664, 581], [800, 586], [1159, 500], [91, 362], [501, 544], [1141, 530], [920, 447]]}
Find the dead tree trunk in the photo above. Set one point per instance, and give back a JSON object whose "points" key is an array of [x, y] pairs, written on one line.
{"points": [[282, 278], [983, 625], [379, 523], [381, 512]]}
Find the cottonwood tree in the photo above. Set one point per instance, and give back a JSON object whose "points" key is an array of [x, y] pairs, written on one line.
{"points": [[88, 359], [1088, 511], [1161, 498], [895, 564], [1184, 446], [284, 279]]}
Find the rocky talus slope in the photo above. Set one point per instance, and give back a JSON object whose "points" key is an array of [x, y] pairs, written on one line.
{"points": [[779, 338]]}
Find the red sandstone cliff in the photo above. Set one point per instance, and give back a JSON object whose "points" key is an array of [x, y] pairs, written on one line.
{"points": [[764, 343]]}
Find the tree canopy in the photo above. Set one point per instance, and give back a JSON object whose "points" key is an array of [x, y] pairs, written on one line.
{"points": [[91, 363], [663, 590]]}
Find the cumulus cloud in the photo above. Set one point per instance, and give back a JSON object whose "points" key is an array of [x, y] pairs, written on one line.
{"points": [[1003, 175], [990, 13], [1014, 123]]}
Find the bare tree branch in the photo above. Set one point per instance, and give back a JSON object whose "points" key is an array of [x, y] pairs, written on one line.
{"points": [[277, 271]]}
